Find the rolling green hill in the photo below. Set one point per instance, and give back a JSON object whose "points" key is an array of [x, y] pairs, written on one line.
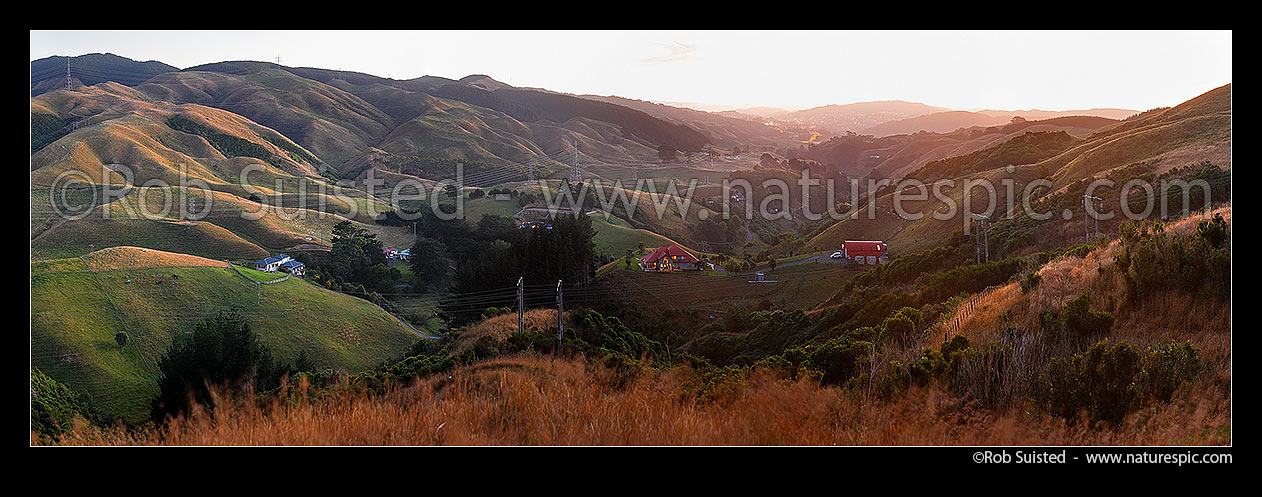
{"points": [[614, 237], [79, 304]]}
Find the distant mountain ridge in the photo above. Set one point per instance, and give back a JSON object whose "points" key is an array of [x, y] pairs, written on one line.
{"points": [[948, 121], [49, 73], [857, 116]]}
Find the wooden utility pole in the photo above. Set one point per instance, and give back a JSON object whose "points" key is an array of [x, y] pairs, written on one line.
{"points": [[521, 308]]}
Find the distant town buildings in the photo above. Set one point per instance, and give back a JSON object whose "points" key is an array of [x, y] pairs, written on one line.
{"points": [[395, 254]]}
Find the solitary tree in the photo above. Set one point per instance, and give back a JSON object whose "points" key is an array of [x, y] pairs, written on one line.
{"points": [[430, 263], [221, 351]]}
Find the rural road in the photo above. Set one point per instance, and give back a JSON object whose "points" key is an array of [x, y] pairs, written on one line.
{"points": [[823, 257]]}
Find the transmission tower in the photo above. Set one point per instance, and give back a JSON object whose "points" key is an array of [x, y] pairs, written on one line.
{"points": [[1086, 222], [982, 241], [576, 174], [68, 85]]}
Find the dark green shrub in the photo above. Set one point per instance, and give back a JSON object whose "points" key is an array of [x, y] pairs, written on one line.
{"points": [[1076, 320], [1167, 368], [957, 343], [840, 359], [898, 328], [1030, 281], [594, 331], [1110, 380], [1079, 320], [483, 348], [407, 369], [713, 383], [1152, 260]]}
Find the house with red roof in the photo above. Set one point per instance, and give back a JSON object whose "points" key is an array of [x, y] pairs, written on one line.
{"points": [[669, 258]]}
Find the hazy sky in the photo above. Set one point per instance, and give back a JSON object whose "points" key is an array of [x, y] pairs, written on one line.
{"points": [[1057, 70]]}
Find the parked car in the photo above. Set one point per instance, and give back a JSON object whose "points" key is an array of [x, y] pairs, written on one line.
{"points": [[837, 255]]}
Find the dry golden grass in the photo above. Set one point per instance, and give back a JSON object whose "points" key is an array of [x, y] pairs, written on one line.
{"points": [[536, 400], [1167, 316], [1162, 318], [500, 327], [116, 258]]}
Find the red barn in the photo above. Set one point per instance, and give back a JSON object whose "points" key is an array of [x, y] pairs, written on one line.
{"points": [[669, 258], [864, 251]]}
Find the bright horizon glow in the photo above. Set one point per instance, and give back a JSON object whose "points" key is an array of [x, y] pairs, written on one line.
{"points": [[962, 70]]}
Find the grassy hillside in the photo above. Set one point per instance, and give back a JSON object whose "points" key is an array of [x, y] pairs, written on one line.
{"points": [[76, 238], [79, 304], [721, 130], [1025, 149], [115, 124], [614, 237], [474, 119], [895, 156], [233, 228], [1177, 142], [330, 122]]}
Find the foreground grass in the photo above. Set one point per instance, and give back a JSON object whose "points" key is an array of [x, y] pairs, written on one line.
{"points": [[537, 400]]}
